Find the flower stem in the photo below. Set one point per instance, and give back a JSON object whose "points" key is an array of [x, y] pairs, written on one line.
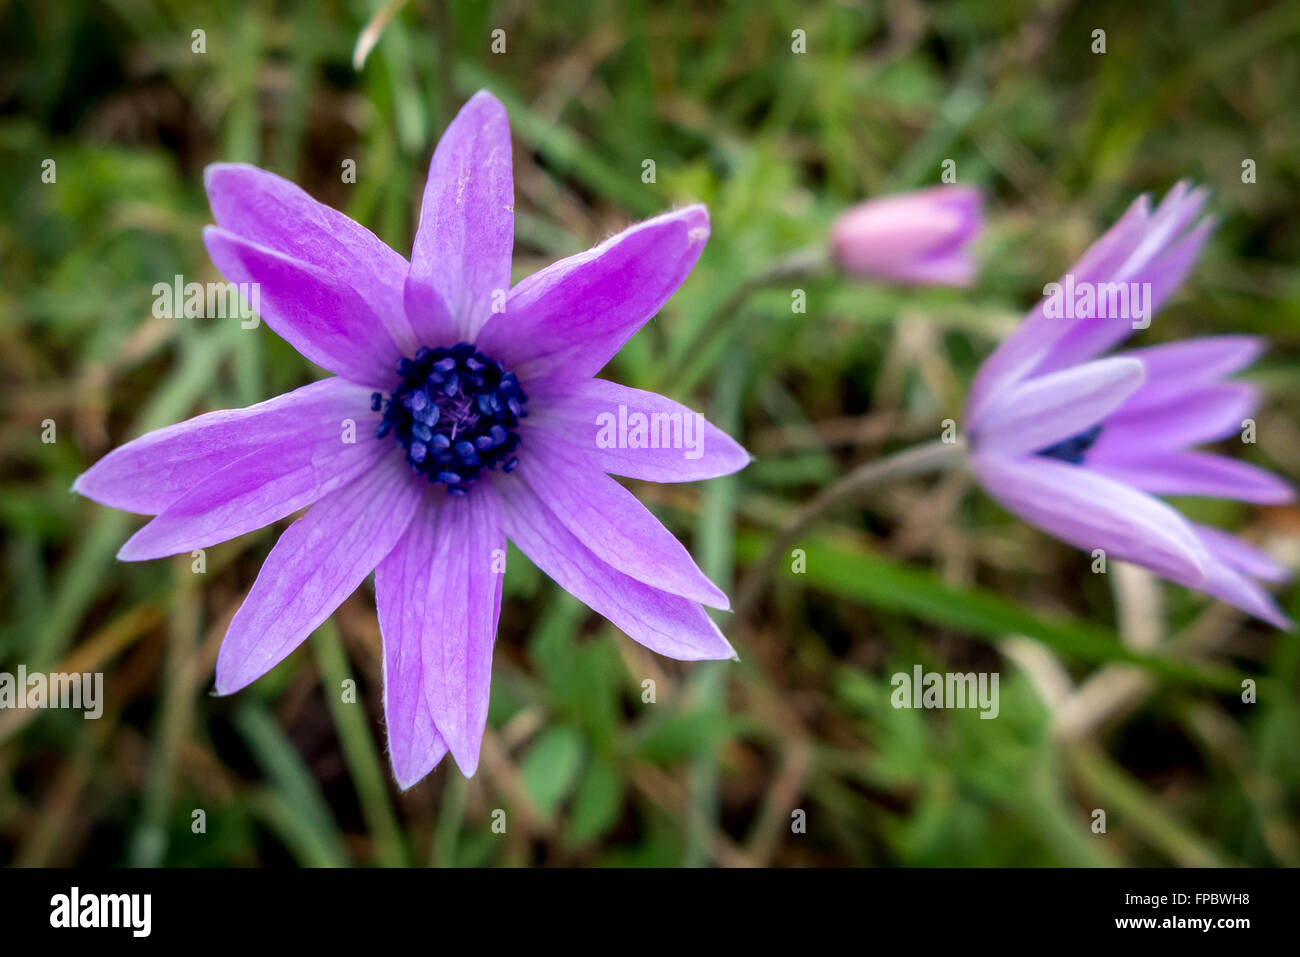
{"points": [[918, 460], [796, 265]]}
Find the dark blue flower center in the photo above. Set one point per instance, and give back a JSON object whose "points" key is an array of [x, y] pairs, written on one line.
{"points": [[454, 414], [1073, 449]]}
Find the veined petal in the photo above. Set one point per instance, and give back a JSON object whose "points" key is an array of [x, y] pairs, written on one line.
{"points": [[260, 488], [573, 316], [1091, 511], [401, 598], [1040, 412], [318, 561], [615, 526], [149, 473], [271, 211], [628, 432], [315, 311], [429, 315], [466, 232], [1195, 473], [667, 624], [460, 618]]}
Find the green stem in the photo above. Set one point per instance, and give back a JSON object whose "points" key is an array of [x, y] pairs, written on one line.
{"points": [[918, 460], [359, 749], [797, 265]]}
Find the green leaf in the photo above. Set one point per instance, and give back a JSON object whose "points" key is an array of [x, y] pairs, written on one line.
{"points": [[596, 803], [683, 735], [294, 805], [982, 615], [551, 766]]}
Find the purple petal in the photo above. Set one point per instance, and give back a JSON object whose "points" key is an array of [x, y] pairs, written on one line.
{"points": [[1091, 337], [1194, 473], [664, 623], [429, 316], [149, 473], [583, 420], [401, 597], [1090, 511], [573, 316], [1045, 410], [1021, 352], [315, 311], [1201, 414], [262, 487], [1176, 212], [878, 232], [467, 223], [1238, 554], [318, 561], [1116, 245], [1141, 247], [615, 526], [1168, 272], [1175, 366], [466, 568], [271, 211], [1229, 585], [957, 269]]}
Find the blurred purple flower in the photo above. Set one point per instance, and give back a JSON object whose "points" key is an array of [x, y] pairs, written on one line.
{"points": [[918, 238], [1079, 445], [463, 412]]}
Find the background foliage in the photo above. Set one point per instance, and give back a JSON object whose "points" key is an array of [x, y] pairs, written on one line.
{"points": [[1116, 693]]}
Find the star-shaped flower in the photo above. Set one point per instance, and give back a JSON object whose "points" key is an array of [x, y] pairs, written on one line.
{"points": [[462, 413]]}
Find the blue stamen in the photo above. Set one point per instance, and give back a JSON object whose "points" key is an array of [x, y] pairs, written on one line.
{"points": [[1073, 449], [454, 412]]}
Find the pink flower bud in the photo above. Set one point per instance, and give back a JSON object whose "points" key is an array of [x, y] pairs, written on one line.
{"points": [[918, 237]]}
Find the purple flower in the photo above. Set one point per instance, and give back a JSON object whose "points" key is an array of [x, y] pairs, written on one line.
{"points": [[462, 412], [917, 238], [1080, 445]]}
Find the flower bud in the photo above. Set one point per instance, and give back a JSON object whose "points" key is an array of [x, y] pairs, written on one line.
{"points": [[918, 238]]}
